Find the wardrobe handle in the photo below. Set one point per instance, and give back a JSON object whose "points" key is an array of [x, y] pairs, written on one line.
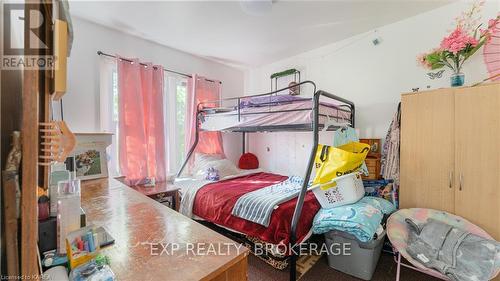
{"points": [[450, 181], [461, 180]]}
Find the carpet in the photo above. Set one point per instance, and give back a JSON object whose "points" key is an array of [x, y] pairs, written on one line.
{"points": [[386, 271]]}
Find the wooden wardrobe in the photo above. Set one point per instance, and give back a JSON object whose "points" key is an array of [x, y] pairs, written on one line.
{"points": [[450, 153]]}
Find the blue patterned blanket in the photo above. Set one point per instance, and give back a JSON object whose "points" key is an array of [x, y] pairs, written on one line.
{"points": [[360, 219]]}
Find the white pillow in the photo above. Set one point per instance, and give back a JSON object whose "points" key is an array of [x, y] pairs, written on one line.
{"points": [[224, 168], [201, 160]]}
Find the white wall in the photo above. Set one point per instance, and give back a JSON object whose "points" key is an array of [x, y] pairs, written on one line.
{"points": [[373, 77], [81, 103]]}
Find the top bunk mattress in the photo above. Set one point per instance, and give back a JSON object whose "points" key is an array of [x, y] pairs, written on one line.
{"points": [[298, 112]]}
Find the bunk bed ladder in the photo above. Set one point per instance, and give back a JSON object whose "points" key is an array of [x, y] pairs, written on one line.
{"points": [[302, 194]]}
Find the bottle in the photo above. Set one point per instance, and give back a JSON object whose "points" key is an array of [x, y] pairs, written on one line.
{"points": [[58, 173], [68, 211]]}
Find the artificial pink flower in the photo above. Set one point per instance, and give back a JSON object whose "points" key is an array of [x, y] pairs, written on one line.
{"points": [[457, 41], [422, 61], [473, 41]]}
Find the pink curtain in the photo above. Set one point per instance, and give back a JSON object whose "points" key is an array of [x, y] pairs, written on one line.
{"points": [[141, 130], [202, 90]]}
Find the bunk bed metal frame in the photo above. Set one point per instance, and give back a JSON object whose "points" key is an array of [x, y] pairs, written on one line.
{"points": [[314, 126]]}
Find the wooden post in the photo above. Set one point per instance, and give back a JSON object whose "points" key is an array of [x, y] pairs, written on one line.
{"points": [[33, 89], [29, 133]]}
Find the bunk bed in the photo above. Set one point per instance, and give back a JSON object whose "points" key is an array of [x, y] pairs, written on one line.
{"points": [[271, 112]]}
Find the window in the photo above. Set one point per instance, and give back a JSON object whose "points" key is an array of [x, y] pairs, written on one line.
{"points": [[180, 113], [175, 115], [108, 87], [114, 155], [115, 97]]}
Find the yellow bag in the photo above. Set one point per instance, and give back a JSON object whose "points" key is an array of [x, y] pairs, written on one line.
{"points": [[332, 162]]}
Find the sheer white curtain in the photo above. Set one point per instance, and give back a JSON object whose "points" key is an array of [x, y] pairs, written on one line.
{"points": [[108, 114]]}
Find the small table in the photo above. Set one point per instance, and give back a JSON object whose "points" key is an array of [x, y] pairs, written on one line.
{"points": [[160, 191]]}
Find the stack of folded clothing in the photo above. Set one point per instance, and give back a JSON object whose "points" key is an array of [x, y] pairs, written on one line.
{"points": [[362, 219]]}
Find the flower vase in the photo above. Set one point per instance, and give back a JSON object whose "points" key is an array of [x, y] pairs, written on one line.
{"points": [[457, 79]]}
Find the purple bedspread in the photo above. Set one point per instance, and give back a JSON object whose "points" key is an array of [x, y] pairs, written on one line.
{"points": [[269, 100]]}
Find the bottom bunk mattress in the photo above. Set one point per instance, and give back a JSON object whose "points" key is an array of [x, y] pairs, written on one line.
{"points": [[214, 202]]}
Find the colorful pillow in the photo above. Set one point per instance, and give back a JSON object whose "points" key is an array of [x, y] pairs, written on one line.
{"points": [[248, 161]]}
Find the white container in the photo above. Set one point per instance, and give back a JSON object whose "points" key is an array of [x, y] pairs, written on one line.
{"points": [[68, 211], [55, 178], [343, 190]]}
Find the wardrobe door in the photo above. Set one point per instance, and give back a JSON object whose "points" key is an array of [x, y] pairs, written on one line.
{"points": [[427, 150], [477, 135]]}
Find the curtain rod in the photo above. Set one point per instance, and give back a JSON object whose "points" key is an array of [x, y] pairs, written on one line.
{"points": [[165, 69]]}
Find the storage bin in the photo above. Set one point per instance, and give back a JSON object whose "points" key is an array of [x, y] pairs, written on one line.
{"points": [[363, 258], [343, 190]]}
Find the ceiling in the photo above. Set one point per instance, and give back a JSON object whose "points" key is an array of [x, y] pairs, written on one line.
{"points": [[248, 33]]}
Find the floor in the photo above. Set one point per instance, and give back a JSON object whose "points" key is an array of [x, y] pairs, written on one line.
{"points": [[386, 271]]}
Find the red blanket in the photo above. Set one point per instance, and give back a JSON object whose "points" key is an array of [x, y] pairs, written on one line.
{"points": [[214, 203]]}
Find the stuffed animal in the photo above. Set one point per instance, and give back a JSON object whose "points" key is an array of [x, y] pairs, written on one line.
{"points": [[212, 174]]}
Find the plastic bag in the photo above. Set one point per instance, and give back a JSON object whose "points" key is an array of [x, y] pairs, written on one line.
{"points": [[92, 271], [332, 162]]}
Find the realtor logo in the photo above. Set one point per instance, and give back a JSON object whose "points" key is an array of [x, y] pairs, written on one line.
{"points": [[25, 22]]}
